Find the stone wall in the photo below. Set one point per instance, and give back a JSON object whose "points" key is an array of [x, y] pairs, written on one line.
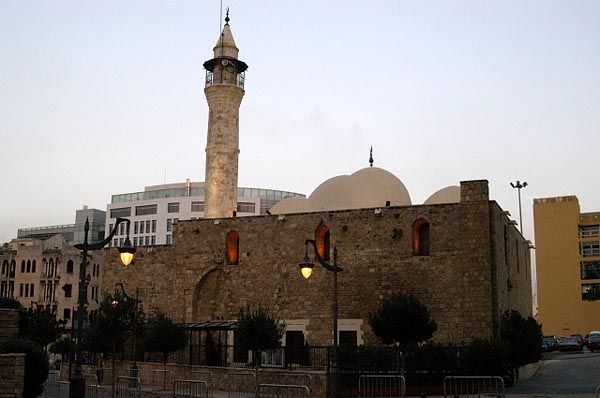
{"points": [[12, 375], [458, 280]]}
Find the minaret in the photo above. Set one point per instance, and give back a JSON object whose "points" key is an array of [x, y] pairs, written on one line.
{"points": [[224, 90]]}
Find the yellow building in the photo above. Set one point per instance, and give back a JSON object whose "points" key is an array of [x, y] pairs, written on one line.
{"points": [[568, 266]]}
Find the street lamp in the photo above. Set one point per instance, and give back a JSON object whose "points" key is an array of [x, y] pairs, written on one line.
{"points": [[306, 267], [518, 186], [77, 384], [133, 371]]}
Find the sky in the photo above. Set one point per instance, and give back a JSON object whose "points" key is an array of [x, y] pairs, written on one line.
{"points": [[102, 97]]}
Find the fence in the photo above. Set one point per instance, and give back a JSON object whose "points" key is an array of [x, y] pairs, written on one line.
{"points": [[241, 384], [474, 386], [381, 386], [283, 391], [190, 389], [91, 385], [161, 380], [52, 385], [128, 387]]}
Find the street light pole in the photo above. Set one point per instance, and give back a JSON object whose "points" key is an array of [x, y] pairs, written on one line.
{"points": [[306, 267], [77, 381], [518, 186]]}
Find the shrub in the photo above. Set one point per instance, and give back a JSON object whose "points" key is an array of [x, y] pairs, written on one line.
{"points": [[523, 337], [485, 358]]}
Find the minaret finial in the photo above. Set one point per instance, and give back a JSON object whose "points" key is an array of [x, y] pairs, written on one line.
{"points": [[227, 17], [371, 156]]}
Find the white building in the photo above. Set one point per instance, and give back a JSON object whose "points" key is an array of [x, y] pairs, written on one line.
{"points": [[153, 211]]}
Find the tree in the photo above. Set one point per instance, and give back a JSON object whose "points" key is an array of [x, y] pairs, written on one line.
{"points": [[10, 303], [259, 330], [36, 365], [523, 337], [402, 319], [40, 325], [62, 347], [164, 336], [109, 326]]}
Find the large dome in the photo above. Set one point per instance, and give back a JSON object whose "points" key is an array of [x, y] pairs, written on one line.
{"points": [[369, 187]]}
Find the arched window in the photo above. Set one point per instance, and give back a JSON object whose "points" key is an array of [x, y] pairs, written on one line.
{"points": [[232, 250], [13, 267], [5, 268], [322, 240], [22, 266], [70, 267], [33, 266], [421, 237], [51, 267], [28, 266]]}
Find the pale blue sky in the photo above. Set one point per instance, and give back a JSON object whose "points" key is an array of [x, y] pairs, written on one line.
{"points": [[98, 97]]}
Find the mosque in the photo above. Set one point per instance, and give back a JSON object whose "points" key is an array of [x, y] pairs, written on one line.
{"points": [[459, 252]]}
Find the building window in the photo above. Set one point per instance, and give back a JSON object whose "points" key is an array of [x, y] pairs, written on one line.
{"points": [[135, 241], [31, 290], [295, 347], [232, 242], [590, 269], [22, 266], [348, 338], [67, 313], [590, 291], [116, 242], [169, 239], [148, 226], [70, 267], [197, 206], [121, 229], [20, 289], [153, 226], [421, 237], [135, 227], [173, 207], [28, 266], [589, 249], [153, 240], [322, 237], [120, 212], [169, 225], [141, 227], [68, 288], [145, 210], [589, 231], [33, 266], [147, 240], [246, 207]]}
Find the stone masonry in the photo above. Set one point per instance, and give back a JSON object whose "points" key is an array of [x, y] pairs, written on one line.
{"points": [[12, 366], [474, 251]]}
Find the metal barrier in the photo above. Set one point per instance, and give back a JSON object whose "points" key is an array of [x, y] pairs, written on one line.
{"points": [[128, 387], [474, 386], [52, 385], [598, 392], [91, 385], [283, 391], [241, 385], [381, 386], [190, 389], [104, 376], [161, 380]]}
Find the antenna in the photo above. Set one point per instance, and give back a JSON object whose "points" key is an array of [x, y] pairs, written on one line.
{"points": [[221, 18], [165, 177]]}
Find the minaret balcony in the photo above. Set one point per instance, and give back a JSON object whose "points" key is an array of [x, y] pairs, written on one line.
{"points": [[210, 79]]}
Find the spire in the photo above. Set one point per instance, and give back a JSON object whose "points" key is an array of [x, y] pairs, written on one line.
{"points": [[225, 46], [371, 156]]}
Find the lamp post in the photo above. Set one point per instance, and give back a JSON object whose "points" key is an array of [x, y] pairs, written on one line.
{"points": [[518, 186], [77, 382], [134, 368], [306, 267]]}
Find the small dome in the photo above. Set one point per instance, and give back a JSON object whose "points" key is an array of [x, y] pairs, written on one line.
{"points": [[450, 194]]}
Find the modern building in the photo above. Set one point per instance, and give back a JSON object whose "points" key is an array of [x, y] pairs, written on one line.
{"points": [[73, 233], [568, 266], [154, 211]]}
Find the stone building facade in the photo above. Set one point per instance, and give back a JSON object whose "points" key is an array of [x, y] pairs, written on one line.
{"points": [[470, 266]]}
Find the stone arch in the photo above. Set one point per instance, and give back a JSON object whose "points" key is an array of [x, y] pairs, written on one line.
{"points": [[322, 237], [421, 237], [211, 297]]}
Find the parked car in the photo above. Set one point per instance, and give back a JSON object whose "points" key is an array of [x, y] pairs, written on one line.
{"points": [[570, 344], [549, 344], [594, 341]]}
